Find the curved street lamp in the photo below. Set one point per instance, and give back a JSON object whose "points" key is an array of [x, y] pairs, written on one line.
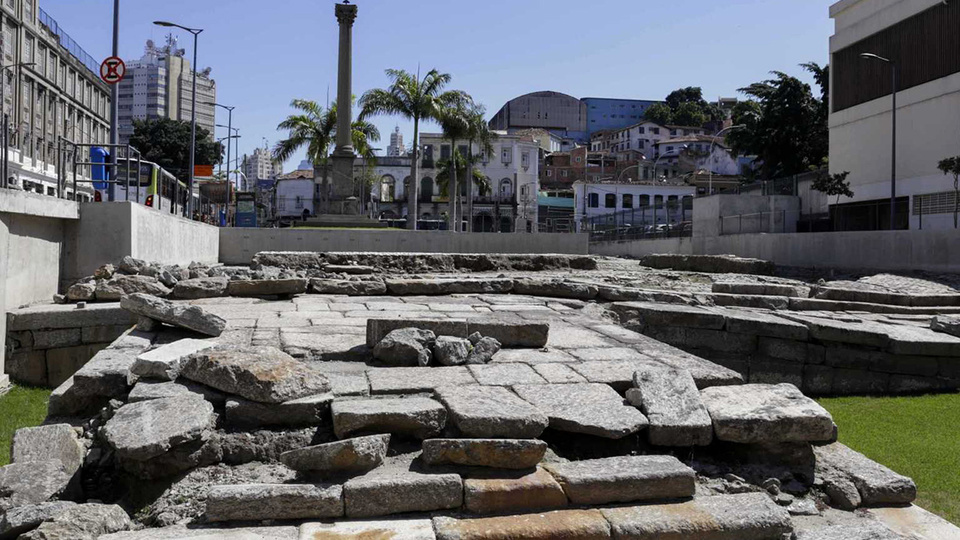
{"points": [[661, 156]]}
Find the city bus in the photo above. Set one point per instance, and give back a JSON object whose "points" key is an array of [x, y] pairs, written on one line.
{"points": [[157, 187]]}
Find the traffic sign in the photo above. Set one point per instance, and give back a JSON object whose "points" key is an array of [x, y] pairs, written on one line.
{"points": [[112, 70]]}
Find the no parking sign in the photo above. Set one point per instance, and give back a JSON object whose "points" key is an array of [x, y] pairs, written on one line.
{"points": [[112, 70]]}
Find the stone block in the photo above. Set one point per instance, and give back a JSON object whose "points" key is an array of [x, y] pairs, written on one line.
{"points": [[146, 390], [28, 367], [558, 373], [677, 315], [817, 380], [413, 417], [145, 430], [494, 453], [194, 289], [491, 412], [103, 334], [395, 490], [19, 520], [377, 329], [851, 382], [67, 316], [512, 334], [592, 409], [505, 374], [532, 356], [512, 493], [555, 525], [255, 502], [386, 529], [785, 349], [191, 317], [771, 371], [624, 479], [50, 442], [413, 380], [82, 521], [759, 413], [164, 362], [670, 400], [555, 288], [877, 485], [763, 324], [350, 456], [302, 412], [748, 516], [404, 287], [762, 288], [107, 374], [32, 482], [54, 339], [616, 373], [267, 287]]}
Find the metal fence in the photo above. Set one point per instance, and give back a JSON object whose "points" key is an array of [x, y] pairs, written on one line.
{"points": [[761, 222], [68, 43], [667, 220]]}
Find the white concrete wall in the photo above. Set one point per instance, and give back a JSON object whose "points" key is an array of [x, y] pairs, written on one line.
{"points": [[238, 246], [779, 213], [639, 248]]}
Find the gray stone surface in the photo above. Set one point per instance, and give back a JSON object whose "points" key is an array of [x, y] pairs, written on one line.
{"points": [[406, 287], [876, 484], [263, 374], [505, 374], [557, 373], [186, 316], [82, 292], [32, 482], [670, 315], [556, 288], [107, 374], [616, 373], [761, 413], [302, 412], [120, 286], [511, 493], [484, 348], [21, 519], [378, 328], [385, 529], [349, 287], [349, 456], [491, 412], [512, 334], [670, 400], [624, 479], [748, 516], [147, 389], [50, 442], [254, 502], [414, 417], [762, 288], [86, 521], [741, 321], [593, 409], [405, 347], [559, 524], [714, 264], [210, 532], [947, 324], [450, 351], [495, 453], [412, 380], [145, 430], [395, 490], [194, 289], [267, 287], [164, 362]]}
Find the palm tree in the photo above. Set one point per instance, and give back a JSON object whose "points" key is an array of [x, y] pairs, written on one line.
{"points": [[453, 119], [316, 128], [415, 99], [479, 132], [444, 174]]}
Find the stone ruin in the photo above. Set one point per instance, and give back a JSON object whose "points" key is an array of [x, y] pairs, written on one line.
{"points": [[327, 396]]}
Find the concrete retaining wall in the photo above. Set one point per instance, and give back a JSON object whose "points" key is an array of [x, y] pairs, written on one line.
{"points": [[109, 231], [639, 248], [238, 246]]}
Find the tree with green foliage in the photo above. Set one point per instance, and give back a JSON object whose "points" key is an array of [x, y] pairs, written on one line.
{"points": [[480, 133], [415, 99], [659, 113], [454, 121], [166, 142], [833, 184], [951, 166], [684, 107]]}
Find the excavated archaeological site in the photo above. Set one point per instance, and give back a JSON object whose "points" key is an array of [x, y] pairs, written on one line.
{"points": [[469, 397]]}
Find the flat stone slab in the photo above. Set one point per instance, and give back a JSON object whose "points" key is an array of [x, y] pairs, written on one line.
{"points": [[616, 373], [367, 287], [593, 409], [413, 417], [146, 390], [303, 412], [179, 532], [82, 521], [624, 479], [349, 456], [491, 412], [499, 492], [263, 374], [670, 400], [267, 287], [505, 374], [395, 490], [415, 380], [50, 442], [876, 484], [164, 362], [559, 524], [947, 324], [495, 453], [762, 413], [386, 529], [512, 334], [194, 289], [854, 332], [144, 430], [191, 317], [741, 321], [748, 516], [16, 521], [532, 356], [556, 373], [249, 502], [655, 314], [32, 482], [107, 374], [762, 288], [404, 287]]}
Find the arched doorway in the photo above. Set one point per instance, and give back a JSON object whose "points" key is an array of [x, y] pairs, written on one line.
{"points": [[426, 189], [388, 188], [483, 222], [406, 189]]}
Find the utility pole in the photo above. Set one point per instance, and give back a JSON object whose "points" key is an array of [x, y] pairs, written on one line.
{"points": [[114, 108]]}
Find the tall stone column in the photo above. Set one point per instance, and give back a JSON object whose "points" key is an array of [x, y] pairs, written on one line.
{"points": [[343, 157]]}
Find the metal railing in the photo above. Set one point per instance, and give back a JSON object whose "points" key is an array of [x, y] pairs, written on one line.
{"points": [[760, 222], [667, 220], [68, 43]]}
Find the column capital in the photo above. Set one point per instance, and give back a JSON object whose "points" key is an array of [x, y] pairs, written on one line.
{"points": [[346, 13]]}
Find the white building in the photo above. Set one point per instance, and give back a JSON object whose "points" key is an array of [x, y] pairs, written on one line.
{"points": [[698, 152], [512, 173], [928, 110], [396, 148], [642, 137], [648, 203], [259, 166], [295, 193]]}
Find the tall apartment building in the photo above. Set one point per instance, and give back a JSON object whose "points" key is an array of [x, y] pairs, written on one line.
{"points": [[61, 95], [159, 84], [396, 148], [259, 166]]}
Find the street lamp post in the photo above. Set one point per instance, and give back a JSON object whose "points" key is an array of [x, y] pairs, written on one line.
{"points": [[193, 111], [229, 128], [6, 119], [712, 144], [893, 152], [665, 154]]}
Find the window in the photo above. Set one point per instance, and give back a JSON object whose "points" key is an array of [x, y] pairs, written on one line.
{"points": [[506, 154], [642, 130], [610, 200], [579, 159], [673, 133], [655, 131], [445, 151], [658, 201], [644, 201], [593, 201], [564, 173], [525, 159], [627, 201]]}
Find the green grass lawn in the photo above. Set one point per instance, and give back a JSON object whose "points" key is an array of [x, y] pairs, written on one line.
{"points": [[21, 407], [915, 436]]}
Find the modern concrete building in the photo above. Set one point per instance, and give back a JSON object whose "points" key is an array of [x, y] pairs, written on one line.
{"points": [[61, 95], [396, 148], [919, 37], [259, 166], [612, 113], [159, 85]]}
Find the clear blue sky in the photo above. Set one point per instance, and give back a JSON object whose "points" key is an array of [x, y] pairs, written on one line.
{"points": [[263, 54]]}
